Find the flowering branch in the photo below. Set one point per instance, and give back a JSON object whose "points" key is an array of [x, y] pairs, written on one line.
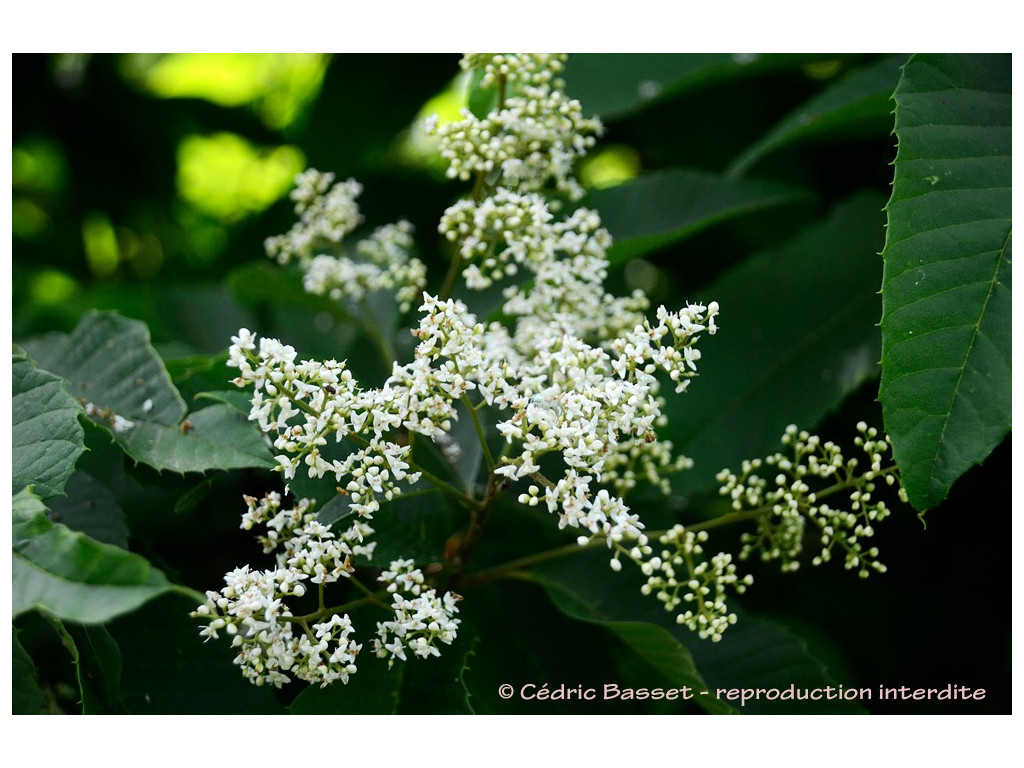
{"points": [[572, 381]]}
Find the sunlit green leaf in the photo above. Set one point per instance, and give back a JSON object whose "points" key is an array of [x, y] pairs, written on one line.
{"points": [[72, 576], [46, 436], [946, 366], [660, 208], [858, 104], [796, 335]]}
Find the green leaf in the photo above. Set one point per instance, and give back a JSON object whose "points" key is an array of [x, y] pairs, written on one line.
{"points": [[654, 644], [413, 525], [167, 669], [99, 670], [436, 686], [614, 86], [261, 282], [660, 208], [417, 686], [796, 336], [90, 508], [372, 690], [239, 399], [72, 576], [47, 438], [26, 696], [753, 653], [758, 653], [858, 104], [109, 362], [218, 437], [480, 101], [97, 662], [946, 306]]}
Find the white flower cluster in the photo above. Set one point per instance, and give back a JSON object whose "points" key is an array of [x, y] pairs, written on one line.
{"points": [[272, 644], [422, 617], [533, 136], [681, 576], [572, 382], [302, 404], [791, 489], [577, 368], [328, 213]]}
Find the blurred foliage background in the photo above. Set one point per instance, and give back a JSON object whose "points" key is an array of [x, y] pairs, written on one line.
{"points": [[147, 184]]}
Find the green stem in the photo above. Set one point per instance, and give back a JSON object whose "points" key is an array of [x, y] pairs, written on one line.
{"points": [[479, 430], [372, 598], [512, 567], [441, 485], [383, 345]]}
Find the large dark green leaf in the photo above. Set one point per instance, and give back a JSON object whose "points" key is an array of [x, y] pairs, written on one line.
{"points": [[372, 690], [752, 654], [414, 526], [758, 653], [858, 104], [46, 436], [654, 644], [796, 336], [167, 669], [946, 366], [437, 686], [417, 686], [660, 208], [615, 85], [72, 576], [91, 508]]}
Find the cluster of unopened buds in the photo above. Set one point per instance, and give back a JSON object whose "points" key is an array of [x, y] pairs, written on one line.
{"points": [[571, 379]]}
